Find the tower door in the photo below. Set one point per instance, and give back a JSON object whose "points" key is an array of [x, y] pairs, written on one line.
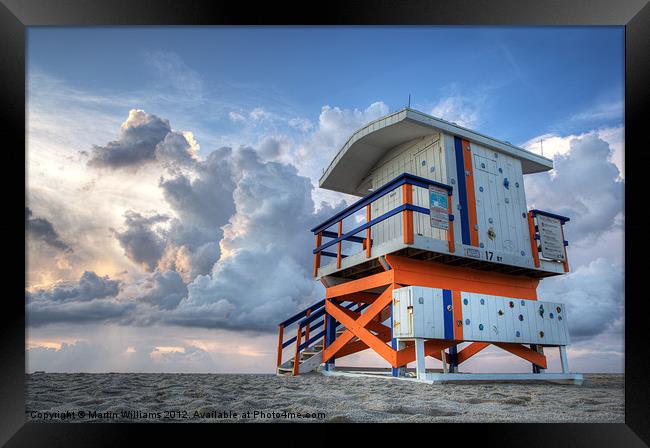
{"points": [[427, 163]]}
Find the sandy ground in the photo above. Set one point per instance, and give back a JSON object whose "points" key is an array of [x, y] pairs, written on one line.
{"points": [[213, 398]]}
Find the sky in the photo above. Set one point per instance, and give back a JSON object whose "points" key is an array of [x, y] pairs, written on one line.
{"points": [[172, 177]]}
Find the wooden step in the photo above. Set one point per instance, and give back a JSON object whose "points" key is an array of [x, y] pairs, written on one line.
{"points": [[285, 370]]}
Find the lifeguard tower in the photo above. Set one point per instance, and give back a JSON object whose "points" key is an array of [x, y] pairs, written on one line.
{"points": [[440, 257]]}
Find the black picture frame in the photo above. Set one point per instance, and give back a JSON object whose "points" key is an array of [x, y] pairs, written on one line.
{"points": [[16, 15]]}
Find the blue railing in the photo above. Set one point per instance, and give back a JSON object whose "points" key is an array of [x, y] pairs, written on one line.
{"points": [[304, 321], [407, 206]]}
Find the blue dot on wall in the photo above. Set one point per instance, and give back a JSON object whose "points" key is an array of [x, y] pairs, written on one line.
{"points": [[465, 301], [466, 321], [480, 327], [517, 334]]}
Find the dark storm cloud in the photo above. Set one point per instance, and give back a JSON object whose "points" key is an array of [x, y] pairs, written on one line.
{"points": [[91, 299], [142, 244], [90, 286], [41, 229], [166, 290]]}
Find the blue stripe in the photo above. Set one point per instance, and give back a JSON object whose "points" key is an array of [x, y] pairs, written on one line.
{"points": [[449, 315], [462, 190]]}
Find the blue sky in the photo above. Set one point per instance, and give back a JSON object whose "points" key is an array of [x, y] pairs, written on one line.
{"points": [[534, 79], [173, 173]]}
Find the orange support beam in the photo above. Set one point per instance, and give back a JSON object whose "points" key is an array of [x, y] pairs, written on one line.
{"points": [[358, 346], [362, 284], [359, 297], [354, 327], [368, 239], [407, 215], [296, 356], [338, 246], [533, 241], [431, 348], [319, 241], [372, 311], [523, 352], [450, 230], [280, 341], [471, 350], [432, 274]]}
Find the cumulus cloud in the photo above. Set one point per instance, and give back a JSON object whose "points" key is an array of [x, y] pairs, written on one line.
{"points": [[141, 242], [262, 275], [144, 138], [41, 229], [91, 299], [594, 296], [584, 185]]}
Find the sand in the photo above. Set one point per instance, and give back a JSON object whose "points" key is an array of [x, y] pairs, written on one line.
{"points": [[134, 397]]}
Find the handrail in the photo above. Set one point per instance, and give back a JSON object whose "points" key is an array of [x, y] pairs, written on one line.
{"points": [[303, 313], [368, 224], [563, 219], [391, 185]]}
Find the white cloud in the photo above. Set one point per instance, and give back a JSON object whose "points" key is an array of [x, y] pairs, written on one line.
{"points": [[236, 117], [458, 109]]}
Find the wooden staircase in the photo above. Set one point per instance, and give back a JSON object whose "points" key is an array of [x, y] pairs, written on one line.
{"points": [[308, 355]]}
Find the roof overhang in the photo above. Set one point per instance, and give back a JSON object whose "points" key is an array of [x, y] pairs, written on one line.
{"points": [[347, 172]]}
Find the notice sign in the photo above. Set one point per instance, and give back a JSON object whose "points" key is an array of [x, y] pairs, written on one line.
{"points": [[551, 238], [438, 205]]}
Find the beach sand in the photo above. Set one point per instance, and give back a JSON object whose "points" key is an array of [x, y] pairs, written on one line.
{"points": [[108, 397]]}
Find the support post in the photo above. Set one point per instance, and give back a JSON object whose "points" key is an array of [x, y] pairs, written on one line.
{"points": [[399, 370], [330, 335], [307, 326], [296, 356], [319, 241], [338, 246], [280, 341], [453, 359], [540, 350], [563, 359], [368, 239], [407, 198], [419, 359], [443, 358]]}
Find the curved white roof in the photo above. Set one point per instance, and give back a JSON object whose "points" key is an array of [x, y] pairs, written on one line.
{"points": [[367, 145]]}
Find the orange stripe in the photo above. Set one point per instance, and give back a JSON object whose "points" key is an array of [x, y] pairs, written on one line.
{"points": [[533, 241], [457, 308], [471, 195], [407, 198]]}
